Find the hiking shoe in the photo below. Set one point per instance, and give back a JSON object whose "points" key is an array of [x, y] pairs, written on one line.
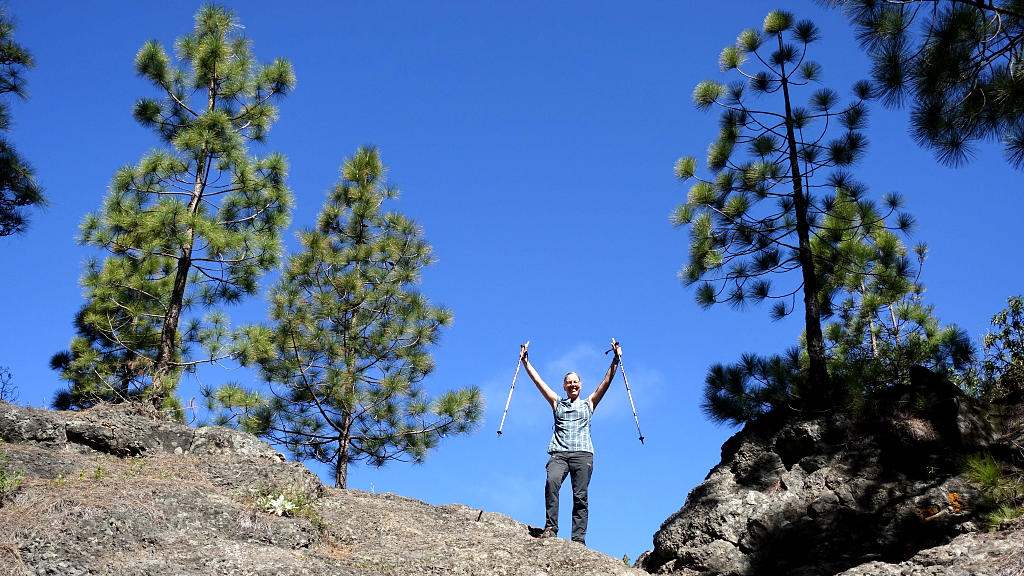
{"points": [[548, 533]]}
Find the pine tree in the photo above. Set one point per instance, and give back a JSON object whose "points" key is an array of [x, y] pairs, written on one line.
{"points": [[18, 187], [879, 326], [347, 347], [754, 219], [882, 327], [865, 270], [99, 369], [957, 64], [194, 224]]}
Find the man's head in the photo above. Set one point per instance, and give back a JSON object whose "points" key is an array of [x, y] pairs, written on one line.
{"points": [[571, 384]]}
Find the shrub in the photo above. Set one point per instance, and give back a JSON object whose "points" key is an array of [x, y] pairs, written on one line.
{"points": [[290, 501], [1003, 366], [1003, 492], [10, 478]]}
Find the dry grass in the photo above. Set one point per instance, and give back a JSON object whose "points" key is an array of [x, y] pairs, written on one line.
{"points": [[331, 548], [169, 468], [95, 466], [35, 511], [45, 509], [38, 507], [919, 429], [44, 506], [10, 561]]}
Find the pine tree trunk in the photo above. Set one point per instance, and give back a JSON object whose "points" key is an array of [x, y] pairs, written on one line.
{"points": [[871, 323], [124, 384], [818, 382], [169, 331], [895, 326], [341, 465]]}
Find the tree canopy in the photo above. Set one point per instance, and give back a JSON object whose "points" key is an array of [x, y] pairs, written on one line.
{"points": [[779, 184], [193, 225], [18, 187], [956, 64], [347, 347]]}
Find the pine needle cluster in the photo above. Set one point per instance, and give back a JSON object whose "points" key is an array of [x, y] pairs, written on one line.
{"points": [[18, 187], [957, 65], [738, 393], [1001, 488], [98, 367]]}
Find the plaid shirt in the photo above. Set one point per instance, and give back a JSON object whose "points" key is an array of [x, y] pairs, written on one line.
{"points": [[572, 427]]}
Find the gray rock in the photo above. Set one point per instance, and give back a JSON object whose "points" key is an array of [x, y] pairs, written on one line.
{"points": [[974, 554], [19, 424]]}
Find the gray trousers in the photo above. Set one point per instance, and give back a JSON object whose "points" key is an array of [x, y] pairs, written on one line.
{"points": [[578, 466]]}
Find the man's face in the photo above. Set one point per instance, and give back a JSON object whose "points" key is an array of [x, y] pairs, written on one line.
{"points": [[571, 384]]}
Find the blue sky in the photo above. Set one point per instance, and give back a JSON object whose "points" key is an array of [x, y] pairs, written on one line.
{"points": [[534, 142]]}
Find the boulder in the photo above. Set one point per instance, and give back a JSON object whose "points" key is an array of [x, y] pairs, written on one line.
{"points": [[818, 496]]}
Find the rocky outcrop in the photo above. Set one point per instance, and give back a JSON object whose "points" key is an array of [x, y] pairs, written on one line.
{"points": [[881, 492], [113, 491]]}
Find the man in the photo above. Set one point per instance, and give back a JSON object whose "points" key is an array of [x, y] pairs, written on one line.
{"points": [[571, 450]]}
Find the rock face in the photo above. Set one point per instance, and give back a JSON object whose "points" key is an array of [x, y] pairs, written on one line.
{"points": [[820, 496], [113, 491]]}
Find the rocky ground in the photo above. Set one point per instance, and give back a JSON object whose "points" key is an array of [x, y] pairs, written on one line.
{"points": [[110, 491]]}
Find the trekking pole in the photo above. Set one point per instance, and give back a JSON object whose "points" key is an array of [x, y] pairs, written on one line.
{"points": [[522, 352], [627, 390]]}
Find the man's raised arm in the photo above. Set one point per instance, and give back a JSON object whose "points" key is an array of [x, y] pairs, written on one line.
{"points": [[545, 390], [603, 386]]}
